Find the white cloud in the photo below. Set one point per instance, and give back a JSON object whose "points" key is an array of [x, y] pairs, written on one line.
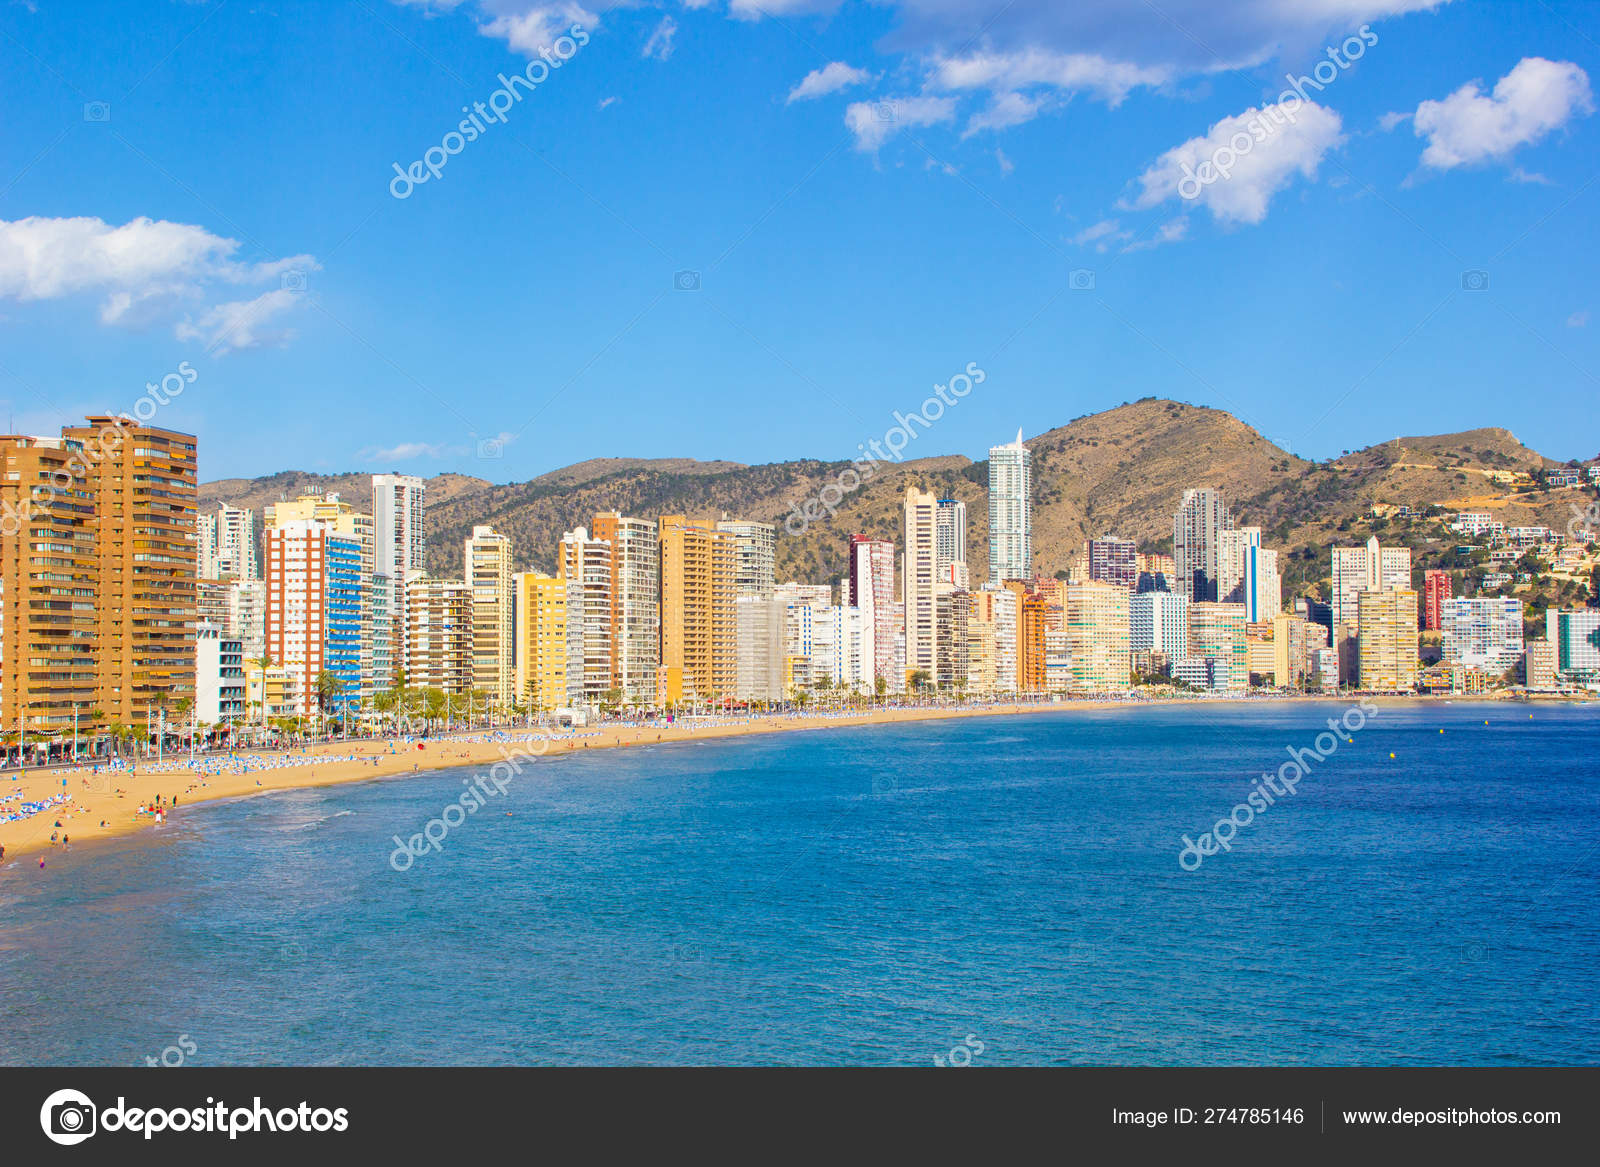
{"points": [[1390, 120], [1069, 72], [529, 27], [1102, 235], [240, 324], [1006, 165], [1169, 232], [1528, 176], [146, 269], [1283, 141], [605, 102], [410, 451], [1007, 109], [830, 78], [1042, 50], [875, 122], [659, 46], [1470, 127], [1579, 319]]}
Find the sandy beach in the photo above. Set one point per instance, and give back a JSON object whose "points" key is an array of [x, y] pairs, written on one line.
{"points": [[119, 802]]}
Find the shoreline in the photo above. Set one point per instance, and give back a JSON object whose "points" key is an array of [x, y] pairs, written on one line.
{"points": [[106, 805]]}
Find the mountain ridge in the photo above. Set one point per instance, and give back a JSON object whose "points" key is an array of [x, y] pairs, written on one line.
{"points": [[1121, 471]]}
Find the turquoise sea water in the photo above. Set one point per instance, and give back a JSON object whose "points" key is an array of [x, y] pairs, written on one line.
{"points": [[996, 890]]}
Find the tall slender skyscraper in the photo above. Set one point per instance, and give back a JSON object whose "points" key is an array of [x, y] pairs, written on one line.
{"points": [[755, 545], [951, 542], [316, 590], [1010, 512], [872, 591], [1197, 543], [920, 583], [487, 565], [699, 619], [635, 602], [586, 566], [397, 514], [227, 544]]}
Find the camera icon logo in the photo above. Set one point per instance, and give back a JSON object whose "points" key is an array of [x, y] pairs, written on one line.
{"points": [[1475, 281], [293, 280], [686, 281], [1081, 280], [491, 448], [68, 1117], [97, 111], [884, 111]]}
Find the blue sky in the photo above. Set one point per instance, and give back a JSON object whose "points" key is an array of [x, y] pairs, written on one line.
{"points": [[872, 196]]}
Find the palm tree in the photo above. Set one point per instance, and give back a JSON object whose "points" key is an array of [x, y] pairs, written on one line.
{"points": [[329, 685], [263, 662]]}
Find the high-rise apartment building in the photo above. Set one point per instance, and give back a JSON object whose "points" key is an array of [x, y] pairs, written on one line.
{"points": [[1371, 568], [1356, 570], [1575, 636], [1114, 560], [950, 542], [50, 583], [1197, 543], [699, 625], [219, 693], [1295, 643], [1217, 630], [226, 543], [993, 622], [1483, 633], [400, 540], [318, 577], [759, 672], [920, 582], [314, 622], [1386, 635], [541, 636], [1436, 589], [487, 566], [636, 597], [437, 638], [1234, 545], [141, 492], [1096, 623], [952, 614], [1010, 512], [872, 592], [755, 546], [586, 565], [1158, 622], [1262, 586]]}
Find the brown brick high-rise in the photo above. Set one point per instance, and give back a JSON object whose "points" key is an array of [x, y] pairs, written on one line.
{"points": [[142, 495]]}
